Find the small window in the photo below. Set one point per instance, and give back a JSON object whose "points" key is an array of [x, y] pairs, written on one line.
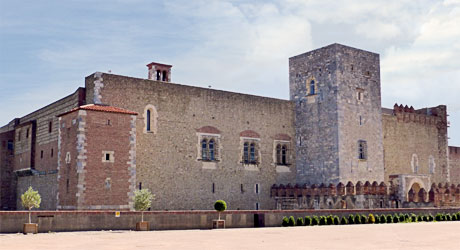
{"points": [[213, 187], [107, 157], [360, 94], [19, 135], [41, 154], [148, 120], [140, 185], [52, 152], [362, 150], [108, 122], [50, 127], [257, 205], [312, 87], [256, 188], [165, 76], [10, 145], [27, 133], [242, 188], [67, 185], [360, 120]]}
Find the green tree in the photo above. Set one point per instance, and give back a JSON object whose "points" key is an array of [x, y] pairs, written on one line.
{"points": [[30, 199], [220, 206], [143, 200]]}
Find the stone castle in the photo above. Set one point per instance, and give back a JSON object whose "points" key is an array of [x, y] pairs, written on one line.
{"points": [[331, 145]]}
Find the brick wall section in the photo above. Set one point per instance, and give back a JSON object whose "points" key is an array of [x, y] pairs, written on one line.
{"points": [[454, 162], [407, 133], [166, 161], [7, 177], [94, 183]]}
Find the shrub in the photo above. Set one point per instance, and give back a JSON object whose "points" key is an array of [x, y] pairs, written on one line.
{"points": [[364, 219], [299, 222], [413, 218], [285, 222], [395, 218], [419, 217], [454, 217], [430, 217], [307, 221], [438, 217], [406, 217], [336, 220], [291, 221], [315, 221], [389, 218], [448, 217], [357, 219], [383, 219], [351, 219], [372, 219], [458, 216], [377, 219], [322, 220], [329, 220], [344, 220], [402, 218]]}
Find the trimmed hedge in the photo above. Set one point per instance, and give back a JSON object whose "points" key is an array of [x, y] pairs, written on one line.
{"points": [[363, 219]]}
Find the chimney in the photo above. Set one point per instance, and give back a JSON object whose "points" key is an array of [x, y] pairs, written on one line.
{"points": [[159, 72]]}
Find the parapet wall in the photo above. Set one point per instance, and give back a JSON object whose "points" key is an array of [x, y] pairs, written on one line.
{"points": [[59, 221], [454, 164]]}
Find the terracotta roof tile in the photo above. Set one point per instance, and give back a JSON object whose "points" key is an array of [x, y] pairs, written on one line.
{"points": [[101, 108]]}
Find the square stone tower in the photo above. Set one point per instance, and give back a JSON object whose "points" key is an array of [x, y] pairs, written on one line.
{"points": [[338, 117]]}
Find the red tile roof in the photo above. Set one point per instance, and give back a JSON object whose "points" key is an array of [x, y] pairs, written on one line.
{"points": [[101, 108]]}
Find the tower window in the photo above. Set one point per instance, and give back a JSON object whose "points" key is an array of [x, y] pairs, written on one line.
{"points": [[312, 87], [281, 154], [256, 188], [165, 76], [52, 152], [41, 154], [50, 127], [208, 152], [362, 150], [250, 153], [158, 75]]}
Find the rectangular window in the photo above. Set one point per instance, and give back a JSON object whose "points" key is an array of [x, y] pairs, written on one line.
{"points": [[241, 187], [213, 188], [50, 127], [257, 188], [10, 145], [257, 205], [140, 185], [27, 133], [362, 150], [52, 152], [108, 156], [41, 154]]}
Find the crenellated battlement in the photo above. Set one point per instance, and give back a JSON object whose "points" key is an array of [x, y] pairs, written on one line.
{"points": [[431, 116], [359, 195]]}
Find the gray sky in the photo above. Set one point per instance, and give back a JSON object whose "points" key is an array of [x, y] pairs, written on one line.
{"points": [[48, 47]]}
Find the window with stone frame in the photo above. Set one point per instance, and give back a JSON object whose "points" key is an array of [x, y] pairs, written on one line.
{"points": [[209, 148], [362, 150], [251, 152], [282, 153]]}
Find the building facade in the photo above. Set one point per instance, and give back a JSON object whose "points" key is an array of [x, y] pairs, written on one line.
{"points": [[191, 146]]}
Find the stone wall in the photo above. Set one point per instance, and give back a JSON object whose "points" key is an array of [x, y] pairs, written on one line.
{"points": [[454, 163], [343, 109], [415, 142], [45, 184], [169, 160], [59, 221]]}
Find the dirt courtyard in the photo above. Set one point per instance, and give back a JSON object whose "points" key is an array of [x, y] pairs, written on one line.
{"points": [[440, 235]]}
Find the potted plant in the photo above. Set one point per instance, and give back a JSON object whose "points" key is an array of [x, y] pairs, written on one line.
{"points": [[143, 201], [220, 206], [29, 200]]}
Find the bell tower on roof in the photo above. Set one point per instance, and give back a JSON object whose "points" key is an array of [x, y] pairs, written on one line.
{"points": [[159, 72]]}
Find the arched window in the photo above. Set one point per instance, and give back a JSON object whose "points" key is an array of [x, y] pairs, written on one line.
{"points": [[283, 155], [211, 149], [252, 153], [312, 87], [278, 153], [204, 149], [246, 152], [148, 120]]}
